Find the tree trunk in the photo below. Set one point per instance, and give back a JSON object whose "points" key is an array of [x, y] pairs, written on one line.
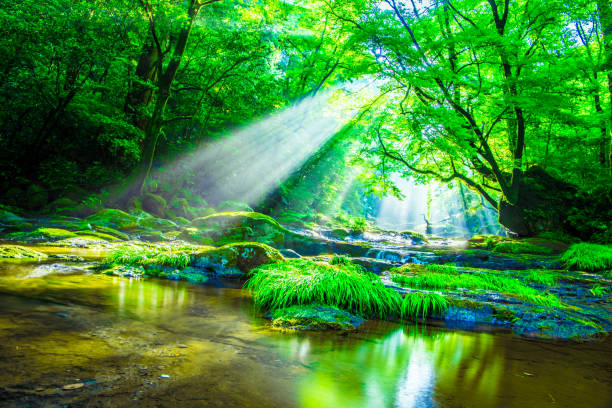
{"points": [[141, 94], [605, 18], [165, 80]]}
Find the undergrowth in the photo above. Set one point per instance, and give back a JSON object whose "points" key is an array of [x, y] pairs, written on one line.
{"points": [[301, 282], [588, 257], [483, 281], [149, 255], [542, 276]]}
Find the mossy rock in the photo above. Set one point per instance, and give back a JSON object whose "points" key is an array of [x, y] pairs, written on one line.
{"points": [[231, 206], [315, 317], [113, 218], [523, 247], [157, 224], [416, 237], [241, 226], [155, 204], [62, 206], [43, 235], [86, 234], [243, 257], [20, 252], [10, 221], [485, 241]]}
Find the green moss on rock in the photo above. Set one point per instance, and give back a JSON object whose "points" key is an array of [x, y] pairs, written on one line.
{"points": [[113, 218], [19, 252], [315, 317]]}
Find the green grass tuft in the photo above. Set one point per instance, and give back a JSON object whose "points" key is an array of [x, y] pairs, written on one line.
{"points": [[600, 290], [447, 269], [418, 304], [588, 257], [301, 282], [149, 255], [542, 276], [475, 281]]}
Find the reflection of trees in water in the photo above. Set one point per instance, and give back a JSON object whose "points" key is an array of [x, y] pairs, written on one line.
{"points": [[400, 367]]}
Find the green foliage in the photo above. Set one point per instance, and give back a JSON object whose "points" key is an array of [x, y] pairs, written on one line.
{"points": [[477, 281], [588, 257], [446, 269], [301, 282], [149, 255], [359, 225], [419, 304], [544, 277], [518, 247], [600, 290]]}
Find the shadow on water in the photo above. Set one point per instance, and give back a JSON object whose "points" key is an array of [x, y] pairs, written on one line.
{"points": [[119, 336]]}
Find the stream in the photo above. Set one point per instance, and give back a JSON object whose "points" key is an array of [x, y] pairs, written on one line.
{"points": [[72, 338]]}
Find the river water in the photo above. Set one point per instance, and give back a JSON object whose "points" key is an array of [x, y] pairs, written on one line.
{"points": [[127, 342]]}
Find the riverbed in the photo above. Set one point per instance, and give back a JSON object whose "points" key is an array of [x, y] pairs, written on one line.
{"points": [[69, 337]]}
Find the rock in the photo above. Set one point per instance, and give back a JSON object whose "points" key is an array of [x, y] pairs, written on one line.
{"points": [[43, 235], [237, 257], [19, 252], [241, 226], [155, 204], [230, 206], [113, 218], [62, 206], [36, 197], [315, 317], [290, 253], [72, 386]]}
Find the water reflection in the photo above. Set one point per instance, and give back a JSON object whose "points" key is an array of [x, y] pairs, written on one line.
{"points": [[402, 366]]}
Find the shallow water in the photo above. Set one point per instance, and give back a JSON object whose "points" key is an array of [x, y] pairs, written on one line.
{"points": [[60, 325]]}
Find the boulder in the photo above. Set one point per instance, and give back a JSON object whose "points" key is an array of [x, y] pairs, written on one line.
{"points": [[155, 204]]}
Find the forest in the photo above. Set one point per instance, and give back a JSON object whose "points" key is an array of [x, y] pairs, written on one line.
{"points": [[191, 187]]}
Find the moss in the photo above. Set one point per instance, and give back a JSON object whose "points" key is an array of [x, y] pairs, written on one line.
{"points": [[240, 257], [485, 241], [43, 234], [504, 314], [588, 257], [100, 235], [157, 223], [113, 218], [415, 237], [19, 252], [241, 226], [155, 204], [314, 317], [519, 247], [243, 256], [230, 206]]}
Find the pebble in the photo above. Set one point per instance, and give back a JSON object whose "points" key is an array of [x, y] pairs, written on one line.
{"points": [[164, 376]]}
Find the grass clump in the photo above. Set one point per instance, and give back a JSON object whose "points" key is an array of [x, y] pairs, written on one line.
{"points": [[600, 290], [302, 282], [543, 277], [446, 269], [588, 257], [419, 304], [478, 281], [149, 255]]}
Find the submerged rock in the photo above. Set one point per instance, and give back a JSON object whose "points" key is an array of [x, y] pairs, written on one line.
{"points": [[315, 317]]}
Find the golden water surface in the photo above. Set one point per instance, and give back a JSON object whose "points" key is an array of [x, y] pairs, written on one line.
{"points": [[126, 342]]}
